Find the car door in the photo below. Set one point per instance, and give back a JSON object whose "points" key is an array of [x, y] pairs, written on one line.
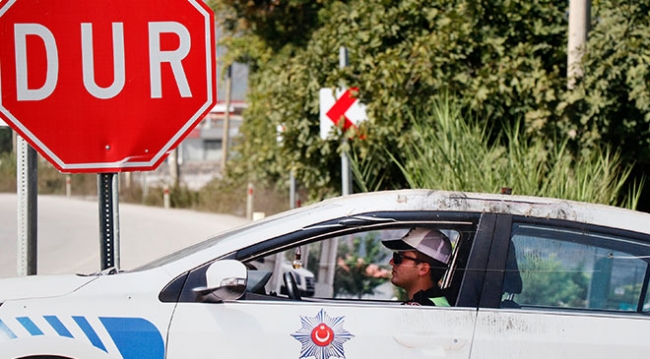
{"points": [[357, 315], [558, 289]]}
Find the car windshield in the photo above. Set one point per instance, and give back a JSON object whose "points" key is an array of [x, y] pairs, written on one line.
{"points": [[232, 234], [182, 253]]}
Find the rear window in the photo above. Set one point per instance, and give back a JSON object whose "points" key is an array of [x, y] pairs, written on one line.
{"points": [[563, 268]]}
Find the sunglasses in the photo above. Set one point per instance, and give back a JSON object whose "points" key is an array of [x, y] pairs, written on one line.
{"points": [[398, 258]]}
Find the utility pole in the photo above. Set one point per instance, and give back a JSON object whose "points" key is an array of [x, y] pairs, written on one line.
{"points": [[579, 19], [226, 121]]}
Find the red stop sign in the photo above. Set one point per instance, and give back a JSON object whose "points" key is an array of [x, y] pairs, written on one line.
{"points": [[106, 86]]}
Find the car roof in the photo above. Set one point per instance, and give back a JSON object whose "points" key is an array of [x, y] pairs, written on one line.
{"points": [[529, 206], [421, 200]]}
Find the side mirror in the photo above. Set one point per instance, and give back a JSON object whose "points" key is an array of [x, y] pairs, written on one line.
{"points": [[226, 280]]}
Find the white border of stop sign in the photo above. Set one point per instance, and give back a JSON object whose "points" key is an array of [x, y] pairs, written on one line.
{"points": [[158, 57]]}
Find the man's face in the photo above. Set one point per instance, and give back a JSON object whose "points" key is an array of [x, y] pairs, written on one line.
{"points": [[405, 268]]}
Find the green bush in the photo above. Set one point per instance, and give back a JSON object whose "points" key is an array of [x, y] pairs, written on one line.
{"points": [[446, 151], [7, 172], [504, 59], [230, 195], [6, 141], [611, 101]]}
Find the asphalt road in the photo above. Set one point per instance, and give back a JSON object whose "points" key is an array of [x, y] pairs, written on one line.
{"points": [[69, 240]]}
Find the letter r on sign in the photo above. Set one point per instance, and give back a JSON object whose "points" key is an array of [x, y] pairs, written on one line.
{"points": [[157, 57]]}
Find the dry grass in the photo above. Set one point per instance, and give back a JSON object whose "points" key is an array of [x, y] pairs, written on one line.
{"points": [[219, 196]]}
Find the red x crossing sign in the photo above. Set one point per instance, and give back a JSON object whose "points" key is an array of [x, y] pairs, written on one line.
{"points": [[344, 110]]}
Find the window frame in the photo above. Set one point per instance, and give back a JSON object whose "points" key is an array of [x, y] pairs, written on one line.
{"points": [[396, 224], [492, 292], [346, 225]]}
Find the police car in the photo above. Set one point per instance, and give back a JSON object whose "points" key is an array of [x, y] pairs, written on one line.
{"points": [[529, 278]]}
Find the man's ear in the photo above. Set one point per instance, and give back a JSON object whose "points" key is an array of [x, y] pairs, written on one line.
{"points": [[424, 268]]}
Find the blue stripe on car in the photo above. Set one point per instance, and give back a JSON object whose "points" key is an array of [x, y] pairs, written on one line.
{"points": [[6, 331], [29, 325], [56, 324], [136, 338], [90, 332]]}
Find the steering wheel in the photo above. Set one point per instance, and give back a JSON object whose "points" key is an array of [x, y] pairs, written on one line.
{"points": [[290, 284]]}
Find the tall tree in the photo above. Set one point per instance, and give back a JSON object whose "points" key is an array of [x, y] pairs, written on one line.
{"points": [[611, 102]]}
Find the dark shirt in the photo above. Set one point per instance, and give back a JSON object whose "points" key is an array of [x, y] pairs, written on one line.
{"points": [[425, 297]]}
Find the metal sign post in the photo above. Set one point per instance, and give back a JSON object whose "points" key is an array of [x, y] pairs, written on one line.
{"points": [[346, 178], [109, 220], [27, 190], [325, 284]]}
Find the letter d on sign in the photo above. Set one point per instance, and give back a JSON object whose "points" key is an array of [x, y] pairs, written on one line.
{"points": [[20, 40]]}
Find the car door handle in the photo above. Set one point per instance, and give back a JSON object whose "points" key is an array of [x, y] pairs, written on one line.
{"points": [[433, 345]]}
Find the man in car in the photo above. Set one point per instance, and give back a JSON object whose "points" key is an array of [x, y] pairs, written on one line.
{"points": [[419, 262]]}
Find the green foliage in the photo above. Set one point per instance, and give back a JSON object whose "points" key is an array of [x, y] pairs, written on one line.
{"points": [[611, 102], [446, 151], [401, 54], [505, 61], [274, 22], [356, 271], [7, 172], [49, 180], [182, 197], [6, 141], [626, 298], [229, 195], [547, 283], [179, 196]]}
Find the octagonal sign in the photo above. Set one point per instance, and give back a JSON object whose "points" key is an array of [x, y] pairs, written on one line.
{"points": [[106, 86]]}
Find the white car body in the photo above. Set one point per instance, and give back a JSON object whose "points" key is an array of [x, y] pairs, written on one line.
{"points": [[155, 311]]}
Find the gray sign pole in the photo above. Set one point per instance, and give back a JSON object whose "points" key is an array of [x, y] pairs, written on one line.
{"points": [[346, 178], [325, 284], [109, 220], [27, 191]]}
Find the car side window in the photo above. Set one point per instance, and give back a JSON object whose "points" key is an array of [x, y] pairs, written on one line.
{"points": [[353, 266], [550, 267]]}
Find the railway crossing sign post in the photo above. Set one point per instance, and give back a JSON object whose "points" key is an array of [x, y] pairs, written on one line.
{"points": [[344, 111]]}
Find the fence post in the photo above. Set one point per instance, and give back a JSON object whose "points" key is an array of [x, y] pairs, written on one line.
{"points": [[166, 199], [249, 202]]}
